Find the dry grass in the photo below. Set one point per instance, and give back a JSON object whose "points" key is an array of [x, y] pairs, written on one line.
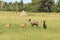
{"points": [[15, 32]]}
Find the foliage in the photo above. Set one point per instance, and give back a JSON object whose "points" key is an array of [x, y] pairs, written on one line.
{"points": [[35, 6]]}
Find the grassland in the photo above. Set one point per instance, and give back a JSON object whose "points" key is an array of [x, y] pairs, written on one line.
{"points": [[15, 32]]}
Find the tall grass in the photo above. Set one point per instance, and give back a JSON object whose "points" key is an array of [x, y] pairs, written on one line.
{"points": [[15, 32]]}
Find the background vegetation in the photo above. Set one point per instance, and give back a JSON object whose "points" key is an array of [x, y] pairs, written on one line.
{"points": [[35, 6]]}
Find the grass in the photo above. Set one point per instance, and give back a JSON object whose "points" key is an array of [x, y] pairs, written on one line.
{"points": [[15, 32]]}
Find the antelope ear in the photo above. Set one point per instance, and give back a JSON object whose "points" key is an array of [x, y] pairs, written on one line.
{"points": [[29, 20]]}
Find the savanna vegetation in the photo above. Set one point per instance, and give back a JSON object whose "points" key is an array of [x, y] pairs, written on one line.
{"points": [[16, 27], [16, 32]]}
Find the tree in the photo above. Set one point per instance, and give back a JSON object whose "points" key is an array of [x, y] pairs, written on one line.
{"points": [[1, 4], [46, 5], [42, 5], [34, 1], [22, 4], [58, 7]]}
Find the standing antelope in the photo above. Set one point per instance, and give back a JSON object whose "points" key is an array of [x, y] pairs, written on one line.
{"points": [[33, 22], [44, 24]]}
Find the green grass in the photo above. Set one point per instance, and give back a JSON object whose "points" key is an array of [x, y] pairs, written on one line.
{"points": [[15, 32]]}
